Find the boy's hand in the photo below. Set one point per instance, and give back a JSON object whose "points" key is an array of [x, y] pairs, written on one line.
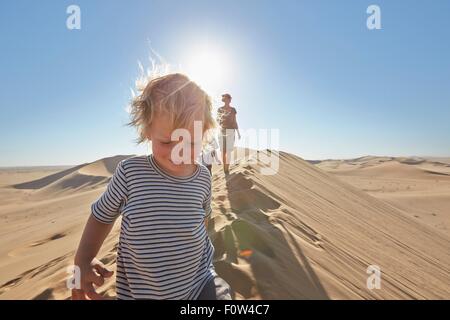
{"points": [[93, 273]]}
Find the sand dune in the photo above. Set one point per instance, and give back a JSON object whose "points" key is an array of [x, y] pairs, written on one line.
{"points": [[102, 168], [419, 187], [17, 175], [300, 234], [85, 176]]}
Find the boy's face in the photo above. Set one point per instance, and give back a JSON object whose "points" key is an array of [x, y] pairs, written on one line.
{"points": [[174, 156]]}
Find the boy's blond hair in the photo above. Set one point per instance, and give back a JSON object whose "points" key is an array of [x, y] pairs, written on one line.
{"points": [[174, 95]]}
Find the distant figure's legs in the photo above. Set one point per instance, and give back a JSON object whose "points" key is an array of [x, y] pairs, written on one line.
{"points": [[226, 165], [226, 145]]}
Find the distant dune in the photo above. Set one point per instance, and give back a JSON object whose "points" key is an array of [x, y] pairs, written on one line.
{"points": [[308, 232], [419, 187], [89, 175]]}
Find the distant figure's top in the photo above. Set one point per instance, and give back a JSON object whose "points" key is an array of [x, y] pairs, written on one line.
{"points": [[227, 118], [164, 250]]}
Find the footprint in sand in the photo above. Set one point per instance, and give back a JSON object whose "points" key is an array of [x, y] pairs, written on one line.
{"points": [[220, 198], [26, 249], [251, 199]]}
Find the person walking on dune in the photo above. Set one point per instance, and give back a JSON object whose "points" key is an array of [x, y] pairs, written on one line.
{"points": [[164, 250], [226, 117]]}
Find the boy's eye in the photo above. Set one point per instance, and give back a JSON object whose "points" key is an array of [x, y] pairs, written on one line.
{"points": [[166, 142]]}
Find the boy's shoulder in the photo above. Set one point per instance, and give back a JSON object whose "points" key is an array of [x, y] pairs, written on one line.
{"points": [[133, 160], [204, 172]]}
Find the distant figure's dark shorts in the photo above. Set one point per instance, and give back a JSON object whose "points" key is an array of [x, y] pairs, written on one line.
{"points": [[216, 289]]}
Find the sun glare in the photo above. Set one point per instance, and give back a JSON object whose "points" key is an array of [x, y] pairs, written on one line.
{"points": [[210, 69]]}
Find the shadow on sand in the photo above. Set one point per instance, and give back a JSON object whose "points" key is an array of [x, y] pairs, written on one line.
{"points": [[277, 262]]}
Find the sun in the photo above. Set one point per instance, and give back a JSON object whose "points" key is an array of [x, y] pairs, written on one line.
{"points": [[209, 68]]}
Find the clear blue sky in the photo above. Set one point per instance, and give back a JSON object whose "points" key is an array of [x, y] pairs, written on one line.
{"points": [[310, 68]]}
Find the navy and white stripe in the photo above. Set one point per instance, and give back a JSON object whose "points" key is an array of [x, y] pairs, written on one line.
{"points": [[164, 250]]}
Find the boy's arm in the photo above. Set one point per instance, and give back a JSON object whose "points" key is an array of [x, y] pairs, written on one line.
{"points": [[104, 212], [94, 235], [92, 239]]}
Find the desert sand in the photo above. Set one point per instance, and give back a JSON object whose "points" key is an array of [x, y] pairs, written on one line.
{"points": [[420, 187], [308, 232]]}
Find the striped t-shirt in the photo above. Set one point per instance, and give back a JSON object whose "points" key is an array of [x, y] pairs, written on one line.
{"points": [[164, 250]]}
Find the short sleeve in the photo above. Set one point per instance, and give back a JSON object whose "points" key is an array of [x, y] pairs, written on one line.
{"points": [[207, 203], [107, 208]]}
